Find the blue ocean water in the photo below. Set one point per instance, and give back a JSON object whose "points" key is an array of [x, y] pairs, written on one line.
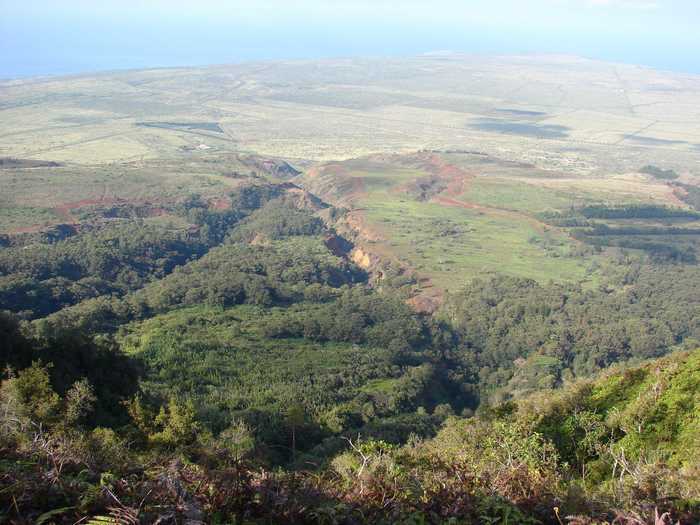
{"points": [[52, 44]]}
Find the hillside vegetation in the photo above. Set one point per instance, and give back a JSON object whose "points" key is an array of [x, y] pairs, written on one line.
{"points": [[351, 292], [249, 340], [615, 447]]}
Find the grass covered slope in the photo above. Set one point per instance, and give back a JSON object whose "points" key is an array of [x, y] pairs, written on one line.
{"points": [[637, 422], [612, 448], [450, 217], [450, 244]]}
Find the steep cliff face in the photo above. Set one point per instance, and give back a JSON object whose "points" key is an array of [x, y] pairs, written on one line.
{"points": [[373, 257], [302, 198], [275, 167], [361, 258], [346, 186]]}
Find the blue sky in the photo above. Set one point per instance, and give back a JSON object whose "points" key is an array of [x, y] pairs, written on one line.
{"points": [[69, 36]]}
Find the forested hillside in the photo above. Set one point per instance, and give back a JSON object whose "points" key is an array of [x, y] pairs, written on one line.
{"points": [[239, 365]]}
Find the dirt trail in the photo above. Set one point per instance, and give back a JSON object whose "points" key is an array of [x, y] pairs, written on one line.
{"points": [[458, 180], [26, 229], [64, 211], [511, 215], [489, 210]]}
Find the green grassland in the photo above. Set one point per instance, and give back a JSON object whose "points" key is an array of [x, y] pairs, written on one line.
{"points": [[451, 217], [14, 218], [489, 228], [453, 245], [535, 196], [514, 195]]}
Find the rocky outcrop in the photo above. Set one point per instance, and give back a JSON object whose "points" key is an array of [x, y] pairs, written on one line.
{"points": [[362, 259], [275, 167]]}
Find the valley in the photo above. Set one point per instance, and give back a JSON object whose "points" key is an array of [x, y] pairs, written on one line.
{"points": [[322, 291], [444, 162]]}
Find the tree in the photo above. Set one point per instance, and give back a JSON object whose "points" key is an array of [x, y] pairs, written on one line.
{"points": [[295, 417], [28, 399], [176, 425], [237, 440], [78, 402]]}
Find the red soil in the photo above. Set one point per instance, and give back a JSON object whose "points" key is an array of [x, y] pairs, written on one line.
{"points": [[220, 203]]}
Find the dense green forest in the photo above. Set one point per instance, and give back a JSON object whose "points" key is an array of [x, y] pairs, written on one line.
{"points": [[240, 368]]}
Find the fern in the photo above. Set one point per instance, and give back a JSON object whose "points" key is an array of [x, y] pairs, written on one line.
{"points": [[47, 516], [117, 516]]}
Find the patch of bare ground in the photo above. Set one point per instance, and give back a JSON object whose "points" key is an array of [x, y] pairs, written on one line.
{"points": [[220, 203], [65, 211], [427, 298], [27, 229]]}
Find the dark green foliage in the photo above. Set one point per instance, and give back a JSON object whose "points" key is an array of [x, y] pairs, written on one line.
{"points": [[113, 375], [635, 211], [523, 336], [605, 230], [73, 356], [15, 349], [278, 272], [44, 277], [659, 173], [634, 239], [248, 273], [249, 198], [582, 217], [690, 195], [277, 219], [214, 225], [117, 254], [659, 231], [551, 458], [357, 316], [223, 360]]}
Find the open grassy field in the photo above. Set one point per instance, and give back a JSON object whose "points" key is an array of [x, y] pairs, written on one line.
{"points": [[451, 244], [445, 240]]}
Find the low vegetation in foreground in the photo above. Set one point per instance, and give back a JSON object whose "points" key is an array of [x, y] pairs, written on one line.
{"points": [[614, 449]]}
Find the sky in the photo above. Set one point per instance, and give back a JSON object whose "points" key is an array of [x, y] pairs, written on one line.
{"points": [[48, 37]]}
